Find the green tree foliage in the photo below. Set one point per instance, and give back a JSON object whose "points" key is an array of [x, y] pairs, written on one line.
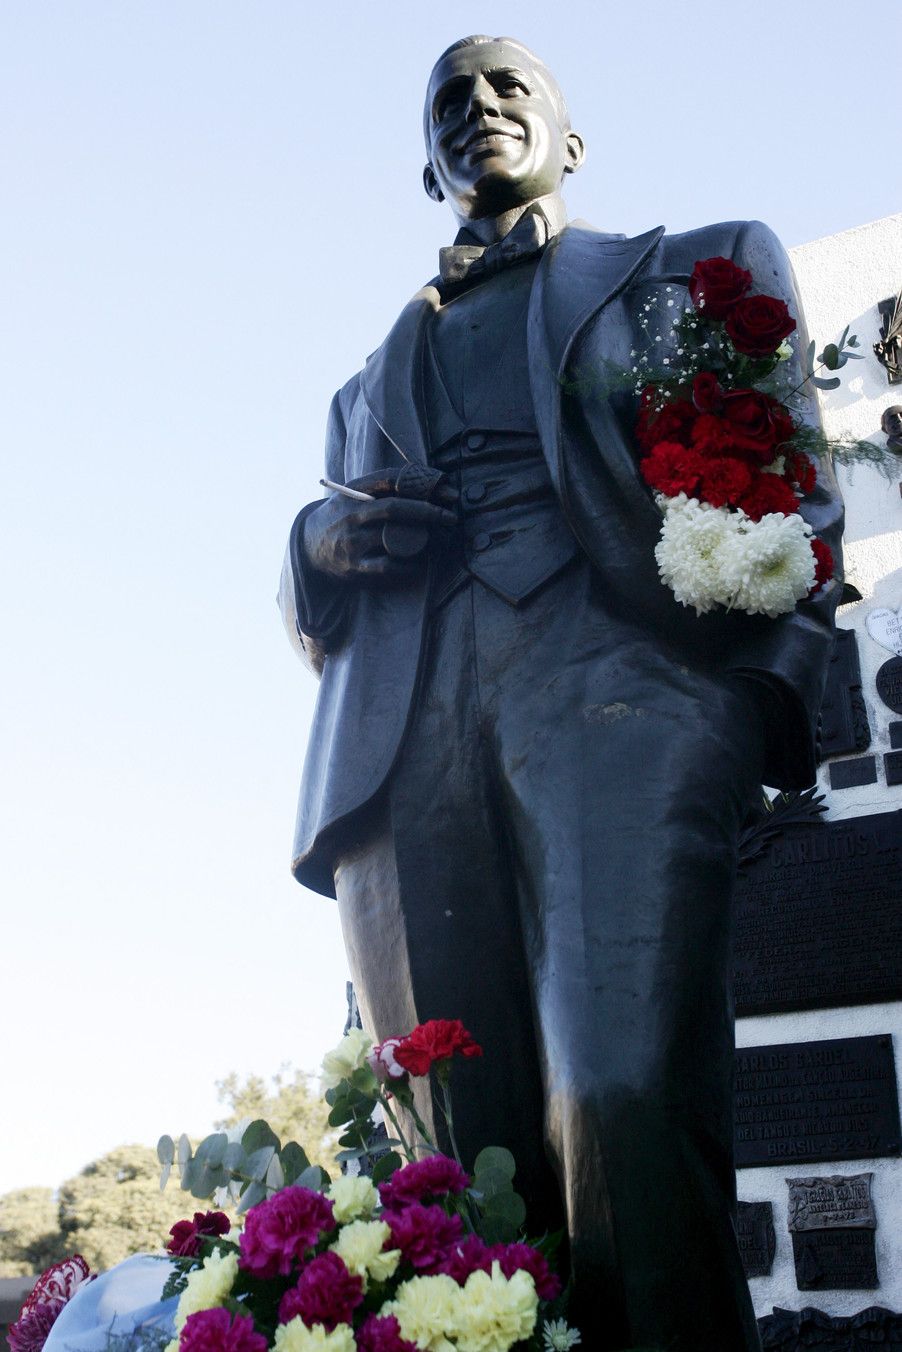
{"points": [[290, 1103], [114, 1208], [30, 1235]]}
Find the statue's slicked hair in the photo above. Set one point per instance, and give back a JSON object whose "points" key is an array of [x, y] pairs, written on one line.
{"points": [[552, 88]]}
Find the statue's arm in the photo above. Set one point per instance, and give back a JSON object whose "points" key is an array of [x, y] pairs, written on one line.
{"points": [[789, 655]]}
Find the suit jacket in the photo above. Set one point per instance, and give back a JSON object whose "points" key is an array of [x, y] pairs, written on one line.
{"points": [[366, 643]]}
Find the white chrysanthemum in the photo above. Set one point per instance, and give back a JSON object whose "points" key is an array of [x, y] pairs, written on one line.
{"points": [[207, 1286], [495, 1312], [353, 1198], [426, 1309], [696, 540], [295, 1336], [557, 1336], [770, 564], [360, 1247], [350, 1055]]}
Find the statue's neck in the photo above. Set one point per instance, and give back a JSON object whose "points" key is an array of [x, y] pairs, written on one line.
{"points": [[489, 229]]}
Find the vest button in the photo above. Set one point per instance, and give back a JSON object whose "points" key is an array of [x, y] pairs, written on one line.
{"points": [[475, 492], [475, 441], [481, 541]]}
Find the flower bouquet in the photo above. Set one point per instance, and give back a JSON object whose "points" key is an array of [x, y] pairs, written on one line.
{"points": [[724, 453]]}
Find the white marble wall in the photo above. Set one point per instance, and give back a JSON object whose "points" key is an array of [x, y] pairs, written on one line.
{"points": [[842, 278]]}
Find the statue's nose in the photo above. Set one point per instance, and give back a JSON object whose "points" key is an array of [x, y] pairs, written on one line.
{"points": [[483, 100]]}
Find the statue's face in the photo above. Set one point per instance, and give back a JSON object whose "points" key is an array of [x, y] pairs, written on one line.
{"points": [[495, 141], [891, 421]]}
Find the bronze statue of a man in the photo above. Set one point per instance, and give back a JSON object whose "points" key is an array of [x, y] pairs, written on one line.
{"points": [[529, 764]]}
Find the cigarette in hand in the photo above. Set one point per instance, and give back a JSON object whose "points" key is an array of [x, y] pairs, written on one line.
{"points": [[348, 492]]}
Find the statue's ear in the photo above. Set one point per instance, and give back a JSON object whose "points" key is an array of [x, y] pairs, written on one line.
{"points": [[430, 183], [575, 152]]}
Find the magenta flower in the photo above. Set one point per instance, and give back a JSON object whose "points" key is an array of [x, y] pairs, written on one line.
{"points": [[53, 1289], [30, 1331], [326, 1293], [467, 1256], [523, 1258], [279, 1231], [382, 1333], [424, 1235], [218, 1331], [434, 1176], [186, 1235]]}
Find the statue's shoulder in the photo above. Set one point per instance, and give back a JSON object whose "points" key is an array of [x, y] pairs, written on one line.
{"points": [[746, 242]]}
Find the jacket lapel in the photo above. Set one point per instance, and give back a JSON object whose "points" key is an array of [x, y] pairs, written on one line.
{"points": [[392, 380]]}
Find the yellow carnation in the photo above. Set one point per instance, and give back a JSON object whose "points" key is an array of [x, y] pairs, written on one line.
{"points": [[350, 1055], [295, 1336], [359, 1245], [495, 1312], [353, 1198], [427, 1310], [207, 1286]]}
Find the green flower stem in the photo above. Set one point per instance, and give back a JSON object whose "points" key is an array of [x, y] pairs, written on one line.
{"points": [[386, 1108]]}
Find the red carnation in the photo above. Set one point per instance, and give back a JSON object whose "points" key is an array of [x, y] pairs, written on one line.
{"points": [[219, 1331], [382, 1333], [186, 1235], [424, 1234], [823, 564], [756, 423], [716, 285], [672, 423], [768, 493], [707, 394], [326, 1293], [279, 1231], [672, 469], [724, 481], [758, 325], [711, 435], [435, 1040], [800, 471]]}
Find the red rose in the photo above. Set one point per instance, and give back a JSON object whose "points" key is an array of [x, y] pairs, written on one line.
{"points": [[672, 423], [768, 493], [707, 394], [672, 469], [801, 472], [435, 1040], [758, 325], [724, 481], [757, 423], [716, 285], [823, 564]]}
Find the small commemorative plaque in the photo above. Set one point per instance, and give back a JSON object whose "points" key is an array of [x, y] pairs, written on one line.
{"points": [[757, 1237], [835, 1260], [831, 1203], [885, 627], [889, 684], [813, 1101], [819, 917]]}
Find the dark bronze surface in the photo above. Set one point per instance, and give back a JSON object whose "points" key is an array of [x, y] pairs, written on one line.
{"points": [[831, 1202], [757, 1238], [889, 684], [844, 715], [806, 1101], [819, 918], [529, 765], [888, 348], [852, 774], [835, 1260], [795, 1330], [891, 424]]}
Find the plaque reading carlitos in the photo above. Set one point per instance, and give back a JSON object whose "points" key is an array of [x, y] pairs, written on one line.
{"points": [[806, 1101], [819, 917], [834, 1202]]}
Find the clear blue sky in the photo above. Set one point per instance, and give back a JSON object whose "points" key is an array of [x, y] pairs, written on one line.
{"points": [[211, 213]]}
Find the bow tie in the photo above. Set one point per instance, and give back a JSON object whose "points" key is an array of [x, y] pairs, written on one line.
{"points": [[462, 265]]}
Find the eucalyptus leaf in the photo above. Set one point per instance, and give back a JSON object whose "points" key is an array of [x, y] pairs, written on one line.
{"points": [[189, 1172], [258, 1162], [496, 1157], [809, 356], [166, 1150], [259, 1134], [833, 383], [164, 1175], [355, 1153], [853, 356], [341, 1113], [830, 357], [254, 1193], [489, 1182], [386, 1165], [312, 1178], [275, 1177], [212, 1148], [294, 1161], [505, 1213], [184, 1153], [234, 1157]]}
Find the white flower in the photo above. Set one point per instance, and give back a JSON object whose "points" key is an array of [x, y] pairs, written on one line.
{"points": [[353, 1198], [691, 553], [784, 351], [557, 1336], [207, 1286], [350, 1055], [360, 1246], [382, 1060], [770, 564]]}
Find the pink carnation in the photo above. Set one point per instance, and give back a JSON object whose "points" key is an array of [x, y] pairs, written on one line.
{"points": [[29, 1333], [470, 1255], [523, 1258], [219, 1331], [326, 1293], [435, 1176], [382, 1333], [279, 1231], [54, 1288], [423, 1234]]}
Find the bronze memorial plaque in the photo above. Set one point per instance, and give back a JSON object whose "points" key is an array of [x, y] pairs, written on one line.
{"points": [[819, 917], [757, 1237], [806, 1101]]}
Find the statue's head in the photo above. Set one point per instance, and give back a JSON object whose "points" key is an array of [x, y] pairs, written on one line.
{"points": [[498, 135], [891, 422]]}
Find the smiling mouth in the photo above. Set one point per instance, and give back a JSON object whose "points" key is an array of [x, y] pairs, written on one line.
{"points": [[486, 138]]}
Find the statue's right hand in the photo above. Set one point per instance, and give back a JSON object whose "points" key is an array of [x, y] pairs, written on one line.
{"points": [[344, 536]]}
